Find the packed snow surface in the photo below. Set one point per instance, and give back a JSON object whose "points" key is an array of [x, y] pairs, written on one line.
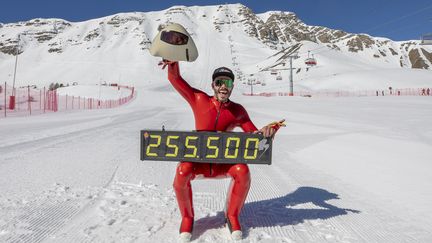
{"points": [[344, 170], [353, 169]]}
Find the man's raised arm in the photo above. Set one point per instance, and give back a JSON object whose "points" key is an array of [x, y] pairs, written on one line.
{"points": [[178, 82]]}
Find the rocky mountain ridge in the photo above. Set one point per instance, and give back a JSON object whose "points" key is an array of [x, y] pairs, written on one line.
{"points": [[277, 30]]}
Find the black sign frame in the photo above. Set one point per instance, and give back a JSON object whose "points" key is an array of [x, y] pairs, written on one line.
{"points": [[206, 147]]}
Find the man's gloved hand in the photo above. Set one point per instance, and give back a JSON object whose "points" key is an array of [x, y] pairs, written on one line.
{"points": [[165, 62], [271, 129]]}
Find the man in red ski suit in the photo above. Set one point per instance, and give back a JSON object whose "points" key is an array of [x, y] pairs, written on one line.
{"points": [[213, 113]]}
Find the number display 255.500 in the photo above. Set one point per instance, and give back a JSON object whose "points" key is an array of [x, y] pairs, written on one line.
{"points": [[206, 147]]}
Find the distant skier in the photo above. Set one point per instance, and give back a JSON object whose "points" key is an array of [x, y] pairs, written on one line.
{"points": [[214, 113]]}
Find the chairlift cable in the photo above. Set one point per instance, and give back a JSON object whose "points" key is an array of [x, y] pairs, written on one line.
{"points": [[399, 18]]}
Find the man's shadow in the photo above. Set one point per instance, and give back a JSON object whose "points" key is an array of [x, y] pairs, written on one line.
{"points": [[279, 211]]}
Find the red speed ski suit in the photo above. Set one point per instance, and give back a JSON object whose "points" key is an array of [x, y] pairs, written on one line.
{"points": [[210, 115]]}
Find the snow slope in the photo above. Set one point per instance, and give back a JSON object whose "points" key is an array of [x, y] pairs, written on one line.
{"points": [[100, 92], [114, 49], [344, 170]]}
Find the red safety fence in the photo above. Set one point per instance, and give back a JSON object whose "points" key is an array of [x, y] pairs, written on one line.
{"points": [[29, 101], [359, 93]]}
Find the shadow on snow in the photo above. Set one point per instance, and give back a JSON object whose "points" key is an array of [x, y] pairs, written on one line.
{"points": [[279, 211]]}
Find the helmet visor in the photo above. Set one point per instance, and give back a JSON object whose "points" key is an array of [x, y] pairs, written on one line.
{"points": [[174, 37]]}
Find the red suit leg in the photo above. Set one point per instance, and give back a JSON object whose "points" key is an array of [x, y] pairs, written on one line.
{"points": [[183, 191], [237, 194]]}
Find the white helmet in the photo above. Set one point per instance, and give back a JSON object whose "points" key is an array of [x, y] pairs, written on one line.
{"points": [[175, 44]]}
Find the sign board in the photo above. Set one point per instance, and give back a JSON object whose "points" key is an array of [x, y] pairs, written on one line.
{"points": [[206, 147]]}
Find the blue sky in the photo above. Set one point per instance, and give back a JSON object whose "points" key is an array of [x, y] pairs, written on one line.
{"points": [[395, 19]]}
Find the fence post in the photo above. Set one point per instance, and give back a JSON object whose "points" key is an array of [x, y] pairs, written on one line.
{"points": [[28, 98], [51, 97], [54, 100], [12, 101], [5, 107], [47, 101], [50, 100]]}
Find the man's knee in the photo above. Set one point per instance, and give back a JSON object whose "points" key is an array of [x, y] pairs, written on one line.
{"points": [[184, 169], [240, 171], [184, 173]]}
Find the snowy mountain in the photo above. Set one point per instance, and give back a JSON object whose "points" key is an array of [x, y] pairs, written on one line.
{"points": [[350, 169], [115, 49]]}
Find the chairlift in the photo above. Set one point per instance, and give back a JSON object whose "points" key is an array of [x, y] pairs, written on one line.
{"points": [[279, 77], [310, 61], [273, 72]]}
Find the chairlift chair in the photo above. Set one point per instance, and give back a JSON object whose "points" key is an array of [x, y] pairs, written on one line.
{"points": [[310, 61], [279, 77]]}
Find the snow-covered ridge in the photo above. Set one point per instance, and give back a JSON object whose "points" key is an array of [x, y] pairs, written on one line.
{"points": [[115, 48]]}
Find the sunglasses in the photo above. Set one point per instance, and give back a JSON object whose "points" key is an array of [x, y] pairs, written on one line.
{"points": [[229, 83]]}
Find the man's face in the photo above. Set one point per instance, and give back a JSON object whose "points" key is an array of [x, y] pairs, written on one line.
{"points": [[222, 87]]}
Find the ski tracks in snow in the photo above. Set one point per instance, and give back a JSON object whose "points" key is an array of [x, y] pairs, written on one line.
{"points": [[35, 219], [124, 213], [288, 201], [323, 208], [37, 216], [51, 213]]}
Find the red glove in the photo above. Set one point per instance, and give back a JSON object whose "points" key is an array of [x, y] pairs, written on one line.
{"points": [[271, 129], [276, 125]]}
